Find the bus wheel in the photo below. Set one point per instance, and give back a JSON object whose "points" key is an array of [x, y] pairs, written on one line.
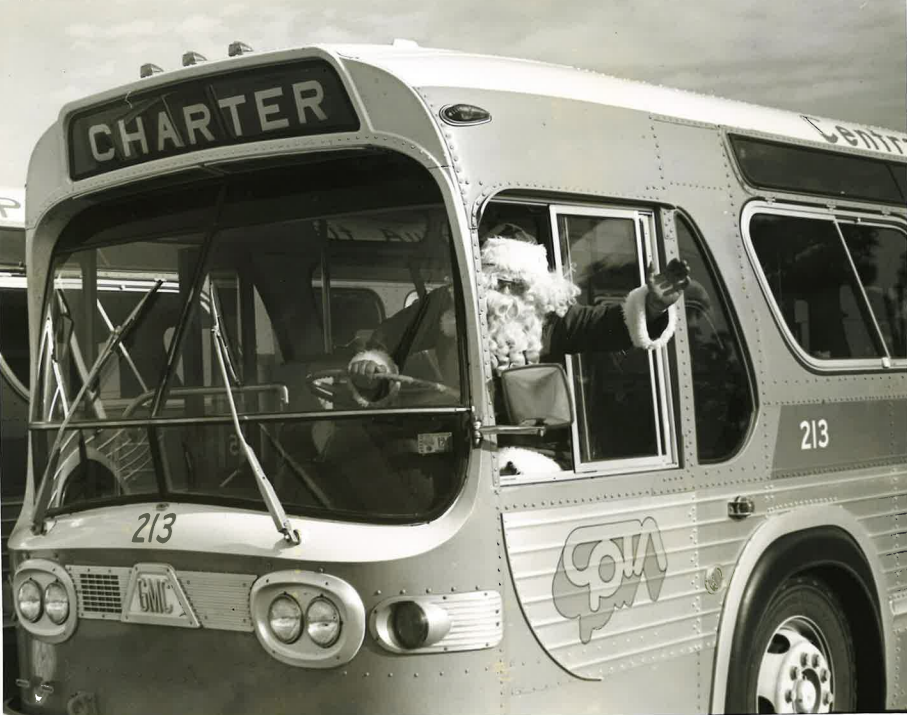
{"points": [[801, 658]]}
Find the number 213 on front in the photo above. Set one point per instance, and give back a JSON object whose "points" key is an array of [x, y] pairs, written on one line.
{"points": [[166, 527]]}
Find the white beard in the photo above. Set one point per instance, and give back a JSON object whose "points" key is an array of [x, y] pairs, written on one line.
{"points": [[516, 322], [514, 331]]}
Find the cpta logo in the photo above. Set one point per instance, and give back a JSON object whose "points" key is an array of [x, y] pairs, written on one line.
{"points": [[600, 568]]}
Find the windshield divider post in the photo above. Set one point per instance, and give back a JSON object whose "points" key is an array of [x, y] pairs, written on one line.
{"points": [[195, 289], [326, 294], [157, 461]]}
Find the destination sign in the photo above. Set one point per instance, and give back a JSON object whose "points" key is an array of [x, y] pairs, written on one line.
{"points": [[861, 137], [290, 100], [12, 207]]}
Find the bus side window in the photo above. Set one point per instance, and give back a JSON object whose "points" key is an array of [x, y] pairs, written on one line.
{"points": [[810, 276], [723, 401], [880, 256]]}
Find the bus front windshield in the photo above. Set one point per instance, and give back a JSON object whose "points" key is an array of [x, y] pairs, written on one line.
{"points": [[301, 268]]}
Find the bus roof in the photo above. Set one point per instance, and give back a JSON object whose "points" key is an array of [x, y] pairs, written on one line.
{"points": [[425, 67], [12, 207], [420, 67]]}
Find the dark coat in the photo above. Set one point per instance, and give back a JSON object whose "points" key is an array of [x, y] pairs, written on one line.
{"points": [[583, 328]]}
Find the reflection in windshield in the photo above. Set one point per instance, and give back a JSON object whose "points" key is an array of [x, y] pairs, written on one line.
{"points": [[305, 269]]}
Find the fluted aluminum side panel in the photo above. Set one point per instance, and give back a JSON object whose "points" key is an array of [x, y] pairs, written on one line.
{"points": [[639, 603], [220, 600]]}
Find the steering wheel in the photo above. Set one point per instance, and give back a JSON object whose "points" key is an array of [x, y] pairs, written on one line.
{"points": [[335, 383]]}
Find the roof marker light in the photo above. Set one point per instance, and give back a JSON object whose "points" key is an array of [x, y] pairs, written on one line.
{"points": [[460, 114], [193, 58], [238, 48], [148, 69]]}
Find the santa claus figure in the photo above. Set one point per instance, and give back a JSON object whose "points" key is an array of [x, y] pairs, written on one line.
{"points": [[533, 316], [532, 312]]}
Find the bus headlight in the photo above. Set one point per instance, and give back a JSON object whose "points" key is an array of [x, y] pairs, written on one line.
{"points": [[285, 618], [323, 622], [56, 603], [29, 598]]}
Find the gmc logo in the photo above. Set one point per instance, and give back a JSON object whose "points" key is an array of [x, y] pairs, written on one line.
{"points": [[153, 596]]}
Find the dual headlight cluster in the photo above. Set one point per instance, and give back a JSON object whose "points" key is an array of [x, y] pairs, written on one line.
{"points": [[321, 621], [307, 619], [52, 601]]}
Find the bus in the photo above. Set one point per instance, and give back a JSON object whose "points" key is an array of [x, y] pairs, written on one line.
{"points": [[13, 393], [220, 520]]}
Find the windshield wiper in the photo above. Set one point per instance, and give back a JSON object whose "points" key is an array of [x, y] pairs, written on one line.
{"points": [[268, 495], [117, 336]]}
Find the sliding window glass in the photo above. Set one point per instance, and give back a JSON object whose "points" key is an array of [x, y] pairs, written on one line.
{"points": [[838, 285], [880, 256], [622, 395]]}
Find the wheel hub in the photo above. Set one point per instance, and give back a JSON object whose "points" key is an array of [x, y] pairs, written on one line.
{"points": [[806, 697], [795, 675]]}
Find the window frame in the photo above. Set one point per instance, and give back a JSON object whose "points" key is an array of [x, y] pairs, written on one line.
{"points": [[668, 457], [881, 364], [726, 304]]}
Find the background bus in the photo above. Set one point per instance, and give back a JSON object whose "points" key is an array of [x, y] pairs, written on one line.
{"points": [[13, 391]]}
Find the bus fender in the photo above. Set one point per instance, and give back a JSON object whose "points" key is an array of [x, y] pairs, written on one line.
{"points": [[781, 546]]}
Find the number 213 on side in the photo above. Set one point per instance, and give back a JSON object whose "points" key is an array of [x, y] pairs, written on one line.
{"points": [[815, 434]]}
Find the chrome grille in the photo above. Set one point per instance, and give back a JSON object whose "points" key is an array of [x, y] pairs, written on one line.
{"points": [[100, 591], [219, 600]]}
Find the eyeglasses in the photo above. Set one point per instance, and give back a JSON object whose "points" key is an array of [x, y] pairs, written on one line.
{"points": [[514, 286]]}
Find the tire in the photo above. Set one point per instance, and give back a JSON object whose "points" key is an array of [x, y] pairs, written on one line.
{"points": [[798, 655]]}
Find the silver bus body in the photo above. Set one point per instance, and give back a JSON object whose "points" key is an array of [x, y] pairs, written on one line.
{"points": [[684, 542]]}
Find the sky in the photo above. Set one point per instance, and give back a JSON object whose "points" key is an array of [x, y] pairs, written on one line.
{"points": [[845, 59]]}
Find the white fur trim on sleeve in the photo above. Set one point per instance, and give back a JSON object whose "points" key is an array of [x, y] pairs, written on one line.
{"points": [[634, 308], [378, 356], [526, 461]]}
